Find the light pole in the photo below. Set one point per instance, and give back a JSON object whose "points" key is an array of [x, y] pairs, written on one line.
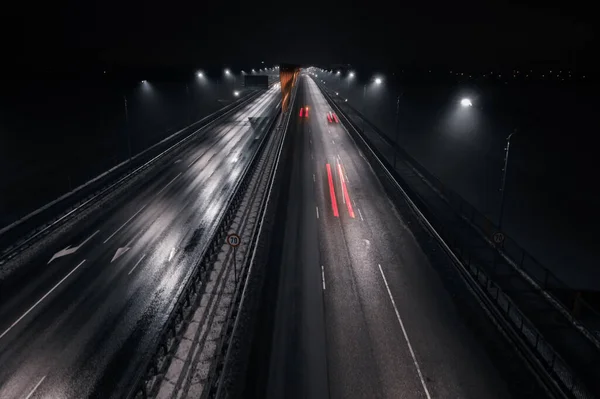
{"points": [[350, 76], [377, 82], [397, 126], [503, 181], [127, 127]]}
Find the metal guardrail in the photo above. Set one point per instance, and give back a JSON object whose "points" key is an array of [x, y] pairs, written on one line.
{"points": [[156, 358], [222, 388], [105, 183], [557, 375]]}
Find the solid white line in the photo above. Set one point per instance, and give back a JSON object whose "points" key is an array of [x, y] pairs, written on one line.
{"points": [[323, 276], [35, 387], [40, 300], [169, 183], [123, 225], [194, 161], [412, 353], [137, 263], [317, 211], [360, 214]]}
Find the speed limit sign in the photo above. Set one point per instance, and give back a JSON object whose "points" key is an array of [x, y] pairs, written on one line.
{"points": [[498, 238], [233, 240]]}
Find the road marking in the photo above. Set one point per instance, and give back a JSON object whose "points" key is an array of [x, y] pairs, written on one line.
{"points": [[124, 224], [332, 192], [179, 160], [310, 141], [68, 251], [120, 252], [195, 160], [171, 254], [323, 276], [136, 264], [333, 141], [345, 192], [360, 214], [317, 211], [168, 184], [35, 387], [311, 156], [412, 352], [40, 300], [314, 178]]}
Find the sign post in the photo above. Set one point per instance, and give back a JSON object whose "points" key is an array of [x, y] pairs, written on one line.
{"points": [[234, 240]]}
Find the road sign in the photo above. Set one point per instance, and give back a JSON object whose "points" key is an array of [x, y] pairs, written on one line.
{"points": [[233, 240], [498, 237]]}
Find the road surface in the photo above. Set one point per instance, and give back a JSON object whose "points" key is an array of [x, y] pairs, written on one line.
{"points": [[77, 319], [360, 312]]}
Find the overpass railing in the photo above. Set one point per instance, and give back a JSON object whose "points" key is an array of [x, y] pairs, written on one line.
{"points": [[564, 354]]}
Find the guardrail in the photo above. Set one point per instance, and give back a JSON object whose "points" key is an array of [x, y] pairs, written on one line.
{"points": [[40, 222], [157, 357], [236, 342], [550, 367]]}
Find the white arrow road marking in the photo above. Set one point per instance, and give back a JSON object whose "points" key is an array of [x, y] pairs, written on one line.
{"points": [[120, 252], [179, 160], [68, 250], [171, 254], [41, 299]]}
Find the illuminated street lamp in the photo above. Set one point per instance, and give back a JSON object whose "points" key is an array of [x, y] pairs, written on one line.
{"points": [[467, 103], [377, 81], [227, 71], [236, 93], [199, 74]]}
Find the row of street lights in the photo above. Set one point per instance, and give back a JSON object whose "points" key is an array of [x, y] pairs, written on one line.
{"points": [[464, 103]]}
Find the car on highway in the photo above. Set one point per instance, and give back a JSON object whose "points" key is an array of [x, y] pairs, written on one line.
{"points": [[304, 112], [332, 117]]}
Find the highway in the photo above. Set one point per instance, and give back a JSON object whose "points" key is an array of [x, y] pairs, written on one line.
{"points": [[77, 316], [360, 311]]}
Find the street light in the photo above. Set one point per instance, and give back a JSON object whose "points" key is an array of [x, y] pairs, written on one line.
{"points": [[236, 93], [350, 77], [377, 81], [466, 103], [503, 181], [199, 74], [227, 71]]}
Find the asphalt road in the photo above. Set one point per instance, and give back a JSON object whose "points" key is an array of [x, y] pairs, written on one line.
{"points": [[76, 321], [360, 312]]}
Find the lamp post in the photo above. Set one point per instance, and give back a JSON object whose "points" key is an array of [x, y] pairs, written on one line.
{"points": [[127, 127], [377, 81], [503, 181]]}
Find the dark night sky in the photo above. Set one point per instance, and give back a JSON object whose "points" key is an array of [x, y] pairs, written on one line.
{"points": [[152, 33]]}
